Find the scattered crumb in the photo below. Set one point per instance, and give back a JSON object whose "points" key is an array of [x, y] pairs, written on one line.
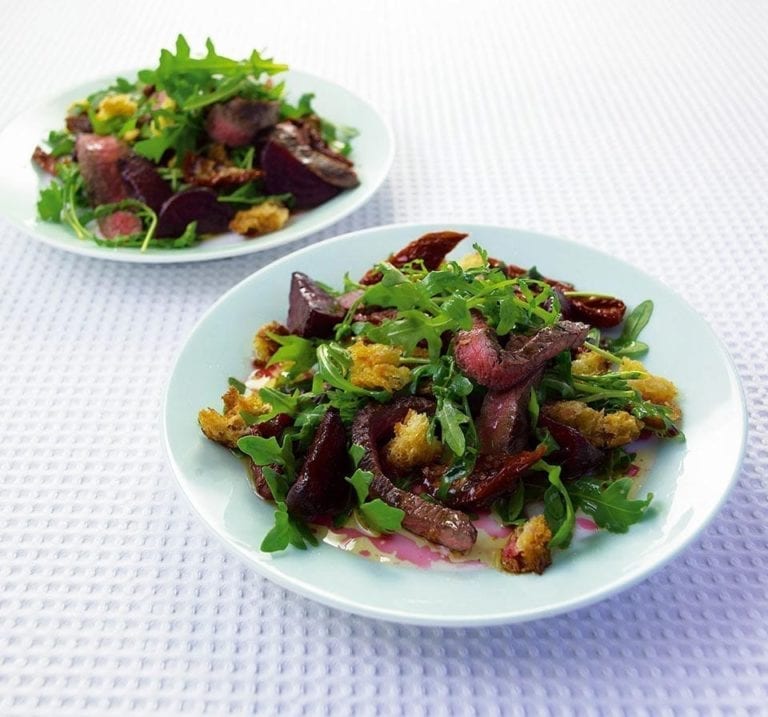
{"points": [[260, 219], [228, 427], [377, 366], [604, 430]]}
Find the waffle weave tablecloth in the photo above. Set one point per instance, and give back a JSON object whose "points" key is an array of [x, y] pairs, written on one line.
{"points": [[636, 128]]}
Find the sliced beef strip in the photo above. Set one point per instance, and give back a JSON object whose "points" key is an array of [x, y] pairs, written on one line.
{"points": [[480, 357], [99, 157], [371, 427], [237, 122]]}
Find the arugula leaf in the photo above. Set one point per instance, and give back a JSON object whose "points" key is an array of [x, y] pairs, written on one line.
{"points": [[280, 402], [237, 383], [356, 453], [510, 508], [381, 517], [627, 344], [302, 108], [287, 530], [608, 504], [263, 451], [50, 203], [361, 482], [299, 351], [558, 507], [61, 142]]}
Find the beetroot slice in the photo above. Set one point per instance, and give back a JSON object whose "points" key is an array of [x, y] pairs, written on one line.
{"points": [[143, 181], [193, 205], [577, 456], [320, 488], [312, 311], [284, 173]]}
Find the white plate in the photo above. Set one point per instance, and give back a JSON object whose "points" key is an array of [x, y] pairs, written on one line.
{"points": [[689, 480], [20, 181]]}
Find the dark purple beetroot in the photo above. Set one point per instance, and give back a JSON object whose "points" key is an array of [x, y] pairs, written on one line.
{"points": [[576, 455], [430, 248], [237, 122], [312, 311], [480, 357], [143, 181], [372, 427], [193, 205], [274, 427], [285, 173], [320, 488], [295, 159]]}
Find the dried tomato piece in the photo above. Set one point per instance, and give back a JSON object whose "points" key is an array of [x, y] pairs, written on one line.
{"points": [[600, 311], [430, 248]]}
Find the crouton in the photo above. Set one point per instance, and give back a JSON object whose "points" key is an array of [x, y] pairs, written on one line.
{"points": [[589, 363], [527, 549], [115, 106], [655, 389], [604, 430], [411, 445], [263, 346], [263, 218], [228, 427], [377, 366], [471, 261]]}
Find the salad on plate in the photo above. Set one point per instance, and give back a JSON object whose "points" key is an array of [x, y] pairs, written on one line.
{"points": [[196, 146], [436, 411]]}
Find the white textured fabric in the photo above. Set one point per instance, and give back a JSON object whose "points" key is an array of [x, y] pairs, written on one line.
{"points": [[635, 127]]}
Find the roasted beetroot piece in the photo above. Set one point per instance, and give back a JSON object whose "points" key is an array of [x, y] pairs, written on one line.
{"points": [[493, 477], [258, 481], [372, 427], [193, 205], [44, 160], [237, 122], [480, 356], [502, 423], [312, 311], [206, 172], [293, 161], [320, 488], [430, 248], [271, 428], [143, 181], [603, 312], [577, 456]]}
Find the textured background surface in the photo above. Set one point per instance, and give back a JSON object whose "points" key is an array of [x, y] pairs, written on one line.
{"points": [[637, 128]]}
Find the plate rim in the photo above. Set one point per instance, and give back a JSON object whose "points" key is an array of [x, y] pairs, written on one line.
{"points": [[340, 602], [254, 246]]}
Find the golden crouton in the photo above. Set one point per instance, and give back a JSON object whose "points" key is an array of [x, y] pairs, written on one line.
{"points": [[115, 106], [589, 363], [377, 366], [263, 346], [228, 427], [263, 218], [604, 430], [411, 446], [527, 549], [655, 389]]}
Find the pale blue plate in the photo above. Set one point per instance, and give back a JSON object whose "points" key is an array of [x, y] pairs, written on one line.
{"points": [[690, 480]]}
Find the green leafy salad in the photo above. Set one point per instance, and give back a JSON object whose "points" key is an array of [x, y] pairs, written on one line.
{"points": [[196, 146], [430, 396]]}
